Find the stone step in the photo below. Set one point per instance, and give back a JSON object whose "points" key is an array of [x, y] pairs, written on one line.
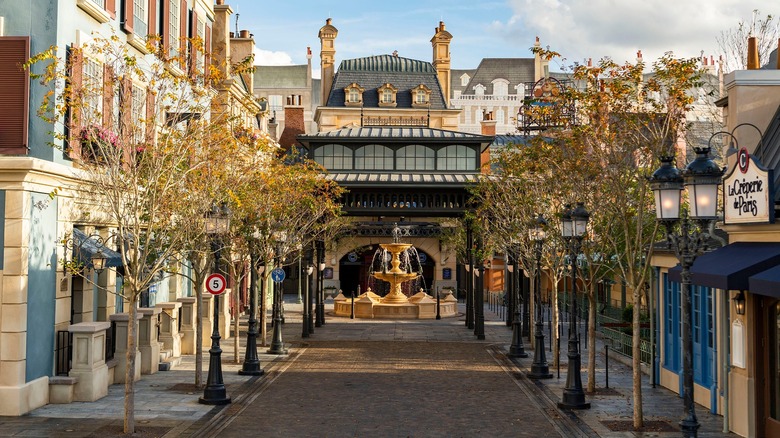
{"points": [[169, 364]]}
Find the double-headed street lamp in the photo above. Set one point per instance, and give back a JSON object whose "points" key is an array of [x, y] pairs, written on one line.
{"points": [[516, 348], [277, 345], [217, 224], [539, 367], [251, 366], [574, 225], [701, 177]]}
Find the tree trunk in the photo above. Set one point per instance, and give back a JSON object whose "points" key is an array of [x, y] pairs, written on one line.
{"points": [[263, 311], [236, 347], [132, 338], [555, 321], [637, 363], [199, 282], [591, 386]]}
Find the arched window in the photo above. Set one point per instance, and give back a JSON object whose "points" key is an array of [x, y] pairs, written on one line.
{"points": [[374, 157], [334, 157], [456, 157], [464, 79], [415, 157], [500, 87], [479, 90]]}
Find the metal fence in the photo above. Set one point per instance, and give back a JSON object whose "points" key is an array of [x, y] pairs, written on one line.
{"points": [[63, 352]]}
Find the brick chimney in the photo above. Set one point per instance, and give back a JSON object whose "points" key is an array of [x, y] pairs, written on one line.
{"points": [[488, 129], [293, 122]]}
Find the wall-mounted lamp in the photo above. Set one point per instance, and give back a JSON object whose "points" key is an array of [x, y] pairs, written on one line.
{"points": [[739, 303]]}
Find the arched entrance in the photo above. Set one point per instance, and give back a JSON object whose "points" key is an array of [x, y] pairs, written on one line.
{"points": [[355, 266]]}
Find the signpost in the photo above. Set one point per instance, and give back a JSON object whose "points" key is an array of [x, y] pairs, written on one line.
{"points": [[278, 275], [215, 284]]}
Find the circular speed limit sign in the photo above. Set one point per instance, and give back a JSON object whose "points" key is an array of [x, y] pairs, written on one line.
{"points": [[215, 284]]}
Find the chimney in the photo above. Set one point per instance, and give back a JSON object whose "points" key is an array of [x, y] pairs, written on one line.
{"points": [[540, 65], [293, 122], [308, 69], [441, 59], [489, 130], [753, 62], [273, 127], [241, 48], [327, 35], [639, 56], [220, 39]]}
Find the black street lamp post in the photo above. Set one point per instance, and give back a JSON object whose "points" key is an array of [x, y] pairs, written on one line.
{"points": [[516, 349], [217, 224], [574, 225], [539, 368], [320, 293], [305, 333], [251, 366], [479, 296], [277, 345], [701, 177]]}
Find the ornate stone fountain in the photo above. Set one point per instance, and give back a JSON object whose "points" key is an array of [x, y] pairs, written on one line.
{"points": [[395, 305]]}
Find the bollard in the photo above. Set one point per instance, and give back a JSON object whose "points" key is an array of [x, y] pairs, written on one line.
{"points": [[558, 351], [606, 364], [438, 305], [352, 311]]}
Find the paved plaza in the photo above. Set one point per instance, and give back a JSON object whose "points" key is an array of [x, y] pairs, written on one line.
{"points": [[358, 378]]}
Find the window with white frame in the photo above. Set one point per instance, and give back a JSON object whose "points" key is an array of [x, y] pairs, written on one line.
{"points": [[173, 28], [275, 102], [93, 90], [500, 87], [387, 96], [140, 26], [464, 80], [201, 58]]}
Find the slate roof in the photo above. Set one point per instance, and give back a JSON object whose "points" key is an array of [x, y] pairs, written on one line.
{"points": [[455, 75], [514, 70], [373, 71], [405, 134], [280, 76], [354, 179]]}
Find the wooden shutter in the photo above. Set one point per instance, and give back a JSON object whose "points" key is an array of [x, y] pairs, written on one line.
{"points": [[193, 34], [207, 52], [76, 81], [154, 22], [127, 15], [183, 16], [14, 95], [151, 122], [108, 96], [111, 7], [166, 31], [126, 126]]}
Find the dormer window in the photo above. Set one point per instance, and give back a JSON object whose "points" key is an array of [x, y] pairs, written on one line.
{"points": [[421, 96], [387, 94], [353, 95]]}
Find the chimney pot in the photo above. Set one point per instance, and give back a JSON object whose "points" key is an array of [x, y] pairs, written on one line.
{"points": [[327, 21], [244, 34], [232, 34], [753, 61]]}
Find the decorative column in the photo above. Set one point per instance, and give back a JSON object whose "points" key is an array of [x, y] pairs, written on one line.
{"points": [[187, 331], [169, 327], [89, 360], [147, 340], [122, 323]]}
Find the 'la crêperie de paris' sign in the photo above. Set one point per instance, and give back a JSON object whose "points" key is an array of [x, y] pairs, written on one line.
{"points": [[748, 192]]}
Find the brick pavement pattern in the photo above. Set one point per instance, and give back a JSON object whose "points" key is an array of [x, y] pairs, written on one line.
{"points": [[392, 389]]}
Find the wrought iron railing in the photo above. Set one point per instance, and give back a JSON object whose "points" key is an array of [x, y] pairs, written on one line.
{"points": [[63, 352]]}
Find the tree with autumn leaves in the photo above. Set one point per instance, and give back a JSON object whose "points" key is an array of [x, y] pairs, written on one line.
{"points": [[626, 121]]}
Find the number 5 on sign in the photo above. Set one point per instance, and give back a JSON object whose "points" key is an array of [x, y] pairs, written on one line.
{"points": [[215, 284]]}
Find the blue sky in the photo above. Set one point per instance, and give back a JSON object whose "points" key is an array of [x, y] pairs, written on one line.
{"points": [[578, 29]]}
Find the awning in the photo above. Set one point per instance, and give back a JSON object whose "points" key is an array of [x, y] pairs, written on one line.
{"points": [[766, 282], [729, 267], [89, 246]]}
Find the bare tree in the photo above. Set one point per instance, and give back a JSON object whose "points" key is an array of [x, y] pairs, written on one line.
{"points": [[733, 43]]}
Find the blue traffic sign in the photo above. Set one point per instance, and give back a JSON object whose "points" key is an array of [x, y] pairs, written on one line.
{"points": [[278, 275]]}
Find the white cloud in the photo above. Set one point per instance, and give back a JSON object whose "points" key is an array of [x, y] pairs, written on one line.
{"points": [[581, 29], [268, 57]]}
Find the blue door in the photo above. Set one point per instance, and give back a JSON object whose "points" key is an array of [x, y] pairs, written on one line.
{"points": [[671, 325]]}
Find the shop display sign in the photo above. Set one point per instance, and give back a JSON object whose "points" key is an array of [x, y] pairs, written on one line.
{"points": [[748, 192]]}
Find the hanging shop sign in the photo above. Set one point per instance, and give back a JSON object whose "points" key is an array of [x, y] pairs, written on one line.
{"points": [[748, 192]]}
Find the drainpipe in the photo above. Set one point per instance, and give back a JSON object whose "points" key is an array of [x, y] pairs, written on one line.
{"points": [[725, 342]]}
